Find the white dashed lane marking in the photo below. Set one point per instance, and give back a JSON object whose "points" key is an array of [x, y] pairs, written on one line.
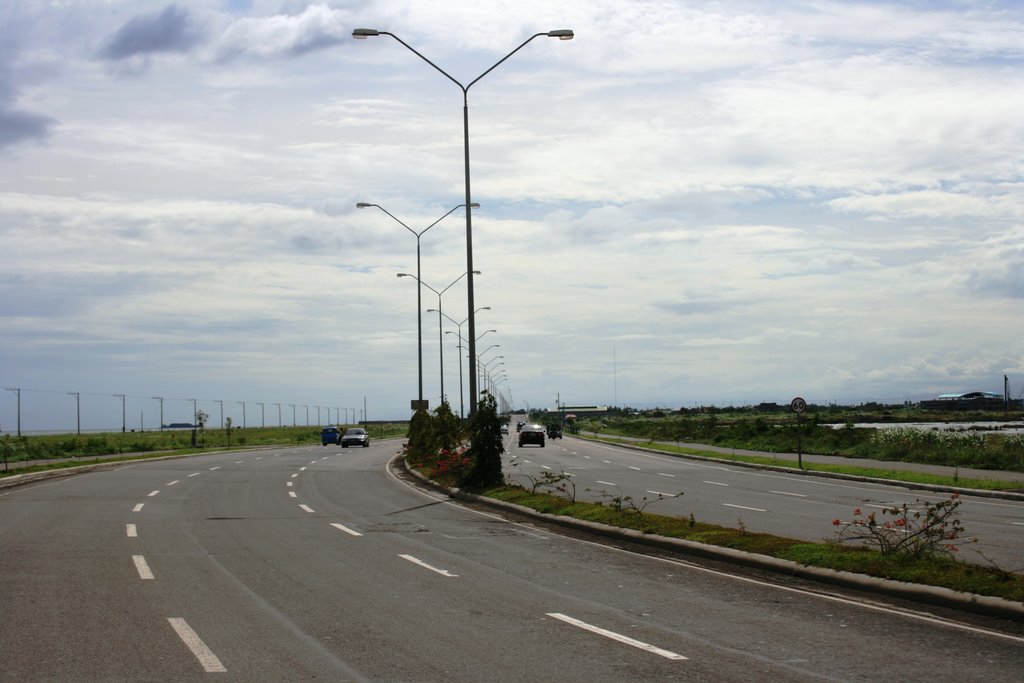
{"points": [[142, 567], [421, 563], [617, 637], [208, 660]]}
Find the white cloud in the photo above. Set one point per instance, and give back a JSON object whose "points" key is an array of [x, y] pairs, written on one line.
{"points": [[723, 203]]}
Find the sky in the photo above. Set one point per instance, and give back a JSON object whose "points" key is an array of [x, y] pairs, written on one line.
{"points": [[690, 203]]}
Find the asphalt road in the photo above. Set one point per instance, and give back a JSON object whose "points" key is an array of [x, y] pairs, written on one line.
{"points": [[792, 505], [319, 564]]}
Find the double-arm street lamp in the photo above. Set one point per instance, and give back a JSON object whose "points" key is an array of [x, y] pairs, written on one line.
{"points": [[561, 34], [440, 336], [486, 372], [419, 302], [458, 325]]}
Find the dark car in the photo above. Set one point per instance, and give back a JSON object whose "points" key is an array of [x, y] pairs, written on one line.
{"points": [[355, 436], [330, 435], [531, 434], [554, 431], [520, 425]]}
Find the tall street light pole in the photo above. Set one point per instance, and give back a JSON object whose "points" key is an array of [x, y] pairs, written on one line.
{"points": [[476, 360], [419, 300], [161, 399], [561, 34], [440, 336]]}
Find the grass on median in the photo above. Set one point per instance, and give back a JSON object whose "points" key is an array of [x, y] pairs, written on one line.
{"points": [[933, 571], [878, 473]]}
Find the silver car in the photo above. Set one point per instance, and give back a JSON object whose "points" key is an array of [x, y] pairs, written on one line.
{"points": [[355, 436]]}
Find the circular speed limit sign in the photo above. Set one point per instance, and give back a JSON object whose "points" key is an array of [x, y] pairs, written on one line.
{"points": [[798, 405]]}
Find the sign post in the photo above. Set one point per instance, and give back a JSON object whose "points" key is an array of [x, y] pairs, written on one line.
{"points": [[798, 406]]}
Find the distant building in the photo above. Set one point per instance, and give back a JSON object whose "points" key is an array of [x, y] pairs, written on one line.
{"points": [[972, 400]]}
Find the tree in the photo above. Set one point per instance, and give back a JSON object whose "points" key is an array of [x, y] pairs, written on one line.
{"points": [[487, 445], [420, 438], [447, 429]]}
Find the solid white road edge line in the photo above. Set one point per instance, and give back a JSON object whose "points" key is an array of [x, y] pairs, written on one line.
{"points": [[142, 567], [208, 660], [442, 572], [617, 637], [345, 529]]}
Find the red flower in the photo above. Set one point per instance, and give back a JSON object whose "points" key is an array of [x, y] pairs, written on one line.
{"points": [[836, 522]]}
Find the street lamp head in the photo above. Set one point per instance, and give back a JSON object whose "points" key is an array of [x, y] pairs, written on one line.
{"points": [[363, 205], [561, 34], [404, 275], [474, 205], [433, 310], [364, 33]]}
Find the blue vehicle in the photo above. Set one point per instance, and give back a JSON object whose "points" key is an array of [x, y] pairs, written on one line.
{"points": [[330, 435]]}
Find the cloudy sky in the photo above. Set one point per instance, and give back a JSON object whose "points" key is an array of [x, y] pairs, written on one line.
{"points": [[689, 203]]}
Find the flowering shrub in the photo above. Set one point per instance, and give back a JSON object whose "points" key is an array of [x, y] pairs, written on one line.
{"points": [[453, 465], [932, 530]]}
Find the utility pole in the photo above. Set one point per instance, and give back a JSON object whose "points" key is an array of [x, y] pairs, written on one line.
{"points": [[17, 390], [161, 399], [221, 403], [78, 411], [124, 423]]}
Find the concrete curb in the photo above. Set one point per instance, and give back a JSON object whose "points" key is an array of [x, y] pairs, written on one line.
{"points": [[980, 493], [933, 595]]}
